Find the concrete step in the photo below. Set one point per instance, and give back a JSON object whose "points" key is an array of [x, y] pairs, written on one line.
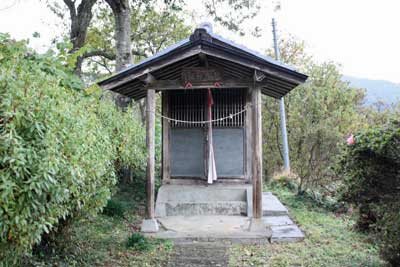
{"points": [[193, 200], [205, 208], [200, 255], [199, 263]]}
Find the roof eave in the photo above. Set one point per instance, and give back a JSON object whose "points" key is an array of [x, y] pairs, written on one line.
{"points": [[203, 47]]}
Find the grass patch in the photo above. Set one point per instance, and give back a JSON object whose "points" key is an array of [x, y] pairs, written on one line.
{"points": [[103, 241], [330, 240], [114, 241]]}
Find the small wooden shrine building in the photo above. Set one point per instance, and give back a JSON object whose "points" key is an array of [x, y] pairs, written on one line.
{"points": [[211, 110]]}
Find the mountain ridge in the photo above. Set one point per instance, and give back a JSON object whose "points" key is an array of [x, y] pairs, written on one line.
{"points": [[376, 90]]}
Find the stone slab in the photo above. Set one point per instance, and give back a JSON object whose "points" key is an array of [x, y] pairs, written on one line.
{"points": [[277, 220], [288, 233], [272, 206], [149, 226]]}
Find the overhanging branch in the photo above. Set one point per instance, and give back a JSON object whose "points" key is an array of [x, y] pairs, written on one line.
{"points": [[99, 53]]}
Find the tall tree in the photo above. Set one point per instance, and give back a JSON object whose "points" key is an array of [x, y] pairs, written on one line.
{"points": [[151, 31], [122, 19], [80, 15]]}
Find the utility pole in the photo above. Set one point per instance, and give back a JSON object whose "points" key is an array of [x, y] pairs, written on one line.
{"points": [[286, 160]]}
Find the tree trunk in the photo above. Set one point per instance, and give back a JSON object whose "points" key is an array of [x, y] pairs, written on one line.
{"points": [[122, 17], [80, 20], [142, 108]]}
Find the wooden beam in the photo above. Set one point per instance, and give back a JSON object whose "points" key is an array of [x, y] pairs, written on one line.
{"points": [[150, 135], [166, 161], [179, 85], [257, 151]]}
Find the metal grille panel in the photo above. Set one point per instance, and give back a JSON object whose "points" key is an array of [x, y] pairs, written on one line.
{"points": [[191, 105]]}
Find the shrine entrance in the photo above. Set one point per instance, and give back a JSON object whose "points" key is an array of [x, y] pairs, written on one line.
{"points": [[189, 132]]}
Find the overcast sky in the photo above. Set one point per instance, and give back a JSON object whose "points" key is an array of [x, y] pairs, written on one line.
{"points": [[362, 35]]}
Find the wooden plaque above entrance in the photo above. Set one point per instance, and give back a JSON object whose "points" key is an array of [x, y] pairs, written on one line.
{"points": [[199, 74]]}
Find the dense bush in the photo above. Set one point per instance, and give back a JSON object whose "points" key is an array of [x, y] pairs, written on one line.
{"points": [[137, 241], [371, 171], [114, 208], [58, 148]]}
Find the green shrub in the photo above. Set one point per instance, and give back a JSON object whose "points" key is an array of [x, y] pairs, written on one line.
{"points": [[371, 170], [137, 241], [390, 231], [59, 149], [114, 208]]}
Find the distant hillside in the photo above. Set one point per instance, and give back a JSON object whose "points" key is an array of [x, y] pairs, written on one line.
{"points": [[386, 91]]}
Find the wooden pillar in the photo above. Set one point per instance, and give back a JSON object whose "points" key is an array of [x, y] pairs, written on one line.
{"points": [[248, 135], [166, 164], [257, 151], [150, 135]]}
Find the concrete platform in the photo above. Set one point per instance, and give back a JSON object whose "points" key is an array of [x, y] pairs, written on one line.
{"points": [[188, 213], [232, 229]]}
